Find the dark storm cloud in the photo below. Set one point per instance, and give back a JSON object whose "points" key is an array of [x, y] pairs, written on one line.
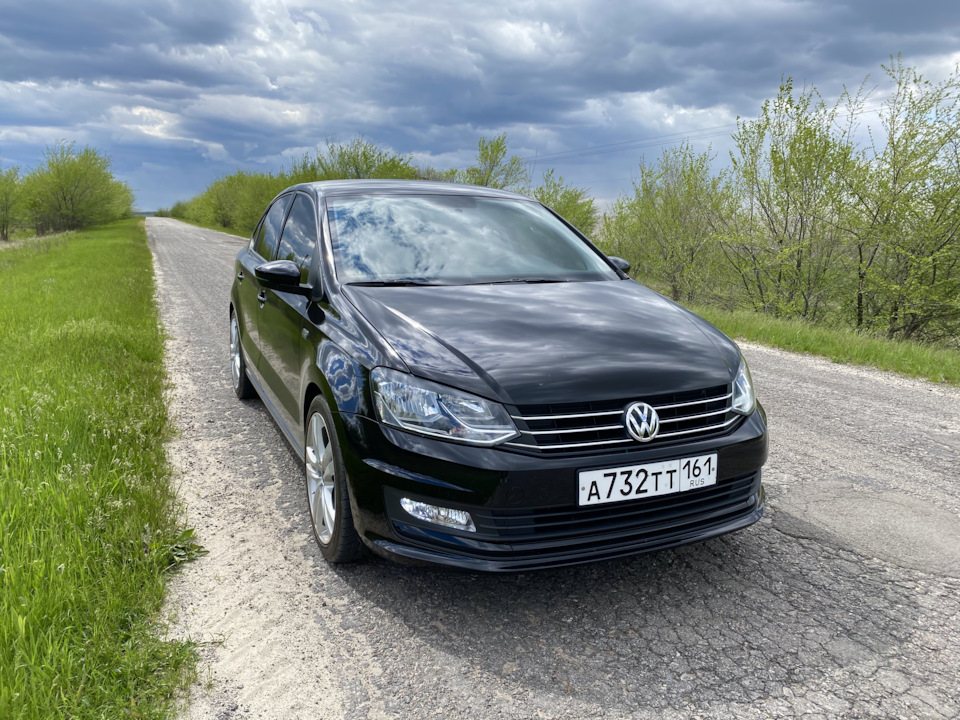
{"points": [[697, 56], [120, 40], [224, 84], [98, 25], [912, 18]]}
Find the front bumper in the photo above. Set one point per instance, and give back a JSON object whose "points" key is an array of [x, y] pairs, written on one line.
{"points": [[525, 505]]}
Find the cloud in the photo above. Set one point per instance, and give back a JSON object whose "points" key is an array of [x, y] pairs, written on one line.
{"points": [[97, 25], [147, 125], [223, 84]]}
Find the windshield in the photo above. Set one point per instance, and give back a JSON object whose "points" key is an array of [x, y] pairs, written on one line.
{"points": [[452, 240]]}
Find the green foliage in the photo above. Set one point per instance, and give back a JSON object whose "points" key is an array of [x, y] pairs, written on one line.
{"points": [[786, 244], [359, 159], [668, 230], [235, 202], [428, 173], [73, 189], [810, 223], [10, 200], [572, 203], [86, 506], [183, 549], [179, 210], [905, 193], [494, 169]]}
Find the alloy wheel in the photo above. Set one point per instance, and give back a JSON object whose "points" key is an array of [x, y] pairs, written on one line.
{"points": [[235, 351], [321, 478]]}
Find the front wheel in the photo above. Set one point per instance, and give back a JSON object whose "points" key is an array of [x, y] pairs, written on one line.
{"points": [[327, 495], [238, 366]]}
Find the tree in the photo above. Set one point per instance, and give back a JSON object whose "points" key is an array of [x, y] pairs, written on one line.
{"points": [[359, 159], [787, 165], [904, 237], [668, 229], [425, 172], [571, 203], [74, 189], [219, 201], [237, 200], [494, 169], [9, 201]]}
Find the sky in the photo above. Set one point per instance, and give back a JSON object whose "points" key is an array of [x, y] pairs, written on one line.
{"points": [[178, 93]]}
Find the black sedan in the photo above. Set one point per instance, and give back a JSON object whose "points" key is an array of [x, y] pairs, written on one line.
{"points": [[469, 381]]}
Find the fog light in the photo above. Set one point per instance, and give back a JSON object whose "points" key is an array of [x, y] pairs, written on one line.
{"points": [[457, 519]]}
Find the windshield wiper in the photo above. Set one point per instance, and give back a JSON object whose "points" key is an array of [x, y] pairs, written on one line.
{"points": [[393, 283], [530, 281], [412, 282]]}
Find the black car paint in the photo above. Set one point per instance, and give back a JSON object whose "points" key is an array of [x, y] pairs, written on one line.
{"points": [[515, 343], [541, 344]]}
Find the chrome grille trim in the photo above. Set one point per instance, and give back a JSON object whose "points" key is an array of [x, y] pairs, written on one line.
{"points": [[689, 417], [658, 408], [571, 445], [708, 429], [598, 429], [565, 417], [572, 430]]}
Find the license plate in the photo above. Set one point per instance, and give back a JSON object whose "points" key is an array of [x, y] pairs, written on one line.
{"points": [[648, 480]]}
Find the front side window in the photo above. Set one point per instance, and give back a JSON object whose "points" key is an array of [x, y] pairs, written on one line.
{"points": [[266, 240], [299, 235], [453, 239]]}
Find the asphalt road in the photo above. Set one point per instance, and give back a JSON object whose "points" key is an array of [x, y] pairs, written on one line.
{"points": [[844, 601]]}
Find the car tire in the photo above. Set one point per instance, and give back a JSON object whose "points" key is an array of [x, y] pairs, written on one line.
{"points": [[238, 366], [328, 499]]}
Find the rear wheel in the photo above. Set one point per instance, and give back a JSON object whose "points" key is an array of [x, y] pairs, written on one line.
{"points": [[327, 494], [238, 366]]}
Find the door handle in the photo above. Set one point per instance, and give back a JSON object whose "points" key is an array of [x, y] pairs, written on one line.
{"points": [[262, 297], [240, 276]]}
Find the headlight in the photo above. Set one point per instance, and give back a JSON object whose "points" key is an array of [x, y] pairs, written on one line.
{"points": [[428, 408], [744, 401]]}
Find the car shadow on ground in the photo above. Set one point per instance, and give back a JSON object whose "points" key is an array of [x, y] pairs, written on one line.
{"points": [[730, 620]]}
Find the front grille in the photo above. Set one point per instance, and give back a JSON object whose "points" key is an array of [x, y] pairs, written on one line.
{"points": [[575, 427]]}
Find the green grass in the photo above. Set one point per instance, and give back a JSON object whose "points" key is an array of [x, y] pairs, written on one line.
{"points": [[843, 346], [88, 518]]}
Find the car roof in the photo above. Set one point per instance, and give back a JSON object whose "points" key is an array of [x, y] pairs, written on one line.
{"points": [[334, 188]]}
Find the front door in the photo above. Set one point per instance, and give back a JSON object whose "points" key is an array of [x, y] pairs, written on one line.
{"points": [[251, 295], [283, 318]]}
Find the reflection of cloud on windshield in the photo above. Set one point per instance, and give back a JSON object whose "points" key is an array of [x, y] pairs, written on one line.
{"points": [[431, 238]]}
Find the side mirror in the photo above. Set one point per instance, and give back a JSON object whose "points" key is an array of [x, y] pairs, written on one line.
{"points": [[282, 276], [620, 264]]}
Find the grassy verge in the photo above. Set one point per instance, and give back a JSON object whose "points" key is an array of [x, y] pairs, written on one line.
{"points": [[86, 510], [844, 346]]}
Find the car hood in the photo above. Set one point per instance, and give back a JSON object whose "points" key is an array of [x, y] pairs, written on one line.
{"points": [[549, 343]]}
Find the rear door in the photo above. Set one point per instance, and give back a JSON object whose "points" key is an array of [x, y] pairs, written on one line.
{"points": [[263, 245], [283, 318]]}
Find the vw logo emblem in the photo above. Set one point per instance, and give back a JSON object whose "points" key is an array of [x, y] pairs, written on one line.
{"points": [[642, 422]]}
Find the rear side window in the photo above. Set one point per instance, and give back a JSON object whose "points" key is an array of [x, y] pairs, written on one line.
{"points": [[266, 239], [299, 235]]}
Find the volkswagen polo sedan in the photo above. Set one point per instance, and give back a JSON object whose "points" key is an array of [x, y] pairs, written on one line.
{"points": [[469, 381]]}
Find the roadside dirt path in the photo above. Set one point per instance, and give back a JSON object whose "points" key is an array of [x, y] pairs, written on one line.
{"points": [[844, 600]]}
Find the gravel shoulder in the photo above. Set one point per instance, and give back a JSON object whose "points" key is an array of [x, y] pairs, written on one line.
{"points": [[843, 601]]}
